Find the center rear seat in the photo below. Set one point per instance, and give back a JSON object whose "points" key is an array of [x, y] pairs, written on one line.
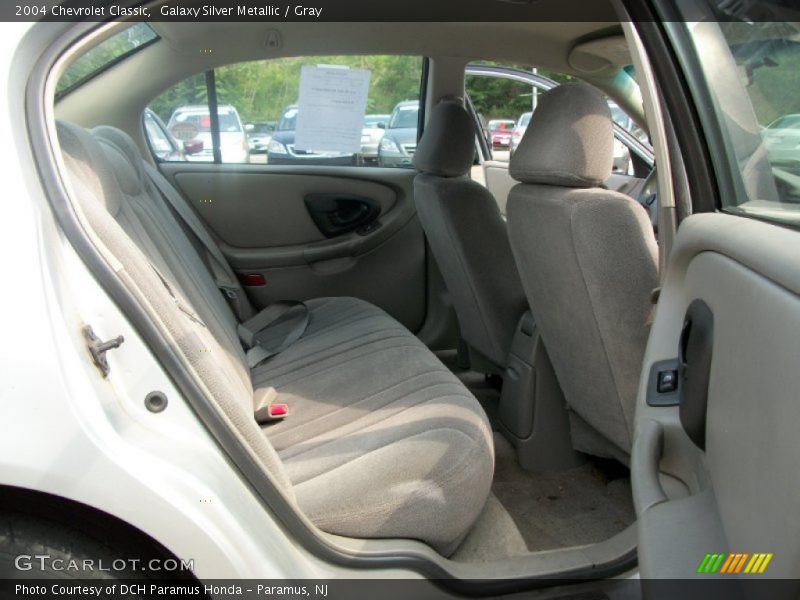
{"points": [[381, 439]]}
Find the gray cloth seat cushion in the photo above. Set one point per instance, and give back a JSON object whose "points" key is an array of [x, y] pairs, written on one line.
{"points": [[467, 234], [588, 261], [381, 440]]}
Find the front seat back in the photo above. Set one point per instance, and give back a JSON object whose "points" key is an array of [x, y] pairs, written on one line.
{"points": [[588, 261], [467, 234]]}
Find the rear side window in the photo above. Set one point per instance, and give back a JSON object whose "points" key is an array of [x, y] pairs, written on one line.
{"points": [[261, 119], [753, 72], [104, 55]]}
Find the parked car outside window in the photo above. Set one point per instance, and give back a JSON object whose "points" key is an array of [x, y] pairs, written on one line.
{"points": [[233, 144], [519, 131], [259, 135], [371, 136], [501, 132], [282, 151], [400, 140]]}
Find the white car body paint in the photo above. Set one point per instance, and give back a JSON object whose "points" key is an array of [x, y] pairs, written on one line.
{"points": [[67, 431]]}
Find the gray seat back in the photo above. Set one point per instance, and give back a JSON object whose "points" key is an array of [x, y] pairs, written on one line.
{"points": [[107, 191], [587, 257], [467, 234], [153, 222]]}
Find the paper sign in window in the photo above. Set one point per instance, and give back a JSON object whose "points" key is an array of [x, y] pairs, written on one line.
{"points": [[331, 108]]}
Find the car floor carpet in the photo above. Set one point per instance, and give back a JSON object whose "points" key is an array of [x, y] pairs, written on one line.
{"points": [[574, 507]]}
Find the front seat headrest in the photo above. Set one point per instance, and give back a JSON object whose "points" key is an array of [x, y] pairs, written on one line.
{"points": [[447, 147], [569, 142]]}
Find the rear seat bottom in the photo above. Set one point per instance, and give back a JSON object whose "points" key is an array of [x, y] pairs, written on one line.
{"points": [[382, 440]]}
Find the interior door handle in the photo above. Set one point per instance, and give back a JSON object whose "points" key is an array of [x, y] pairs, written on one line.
{"points": [[344, 217], [337, 214], [695, 353]]}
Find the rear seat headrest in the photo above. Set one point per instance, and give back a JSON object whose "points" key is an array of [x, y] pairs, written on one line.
{"points": [[569, 142], [87, 160], [447, 147], [124, 156]]}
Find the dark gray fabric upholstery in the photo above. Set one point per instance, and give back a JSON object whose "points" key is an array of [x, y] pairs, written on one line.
{"points": [[447, 148], [468, 237], [569, 141], [470, 243], [588, 262], [381, 440]]}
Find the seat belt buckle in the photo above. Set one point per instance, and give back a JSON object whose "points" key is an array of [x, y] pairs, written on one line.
{"points": [[265, 409], [271, 413]]}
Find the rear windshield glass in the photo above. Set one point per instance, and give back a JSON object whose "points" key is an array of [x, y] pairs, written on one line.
{"points": [[105, 54]]}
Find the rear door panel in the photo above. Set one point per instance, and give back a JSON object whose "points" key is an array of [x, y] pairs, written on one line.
{"points": [[740, 494], [257, 210], [259, 216]]}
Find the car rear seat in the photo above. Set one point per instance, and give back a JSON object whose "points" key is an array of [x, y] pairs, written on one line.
{"points": [[381, 439]]}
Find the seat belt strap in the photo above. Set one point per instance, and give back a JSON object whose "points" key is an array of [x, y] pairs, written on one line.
{"points": [[220, 269], [280, 325], [249, 329], [296, 313]]}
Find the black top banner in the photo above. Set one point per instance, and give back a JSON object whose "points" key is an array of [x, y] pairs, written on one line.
{"points": [[306, 10], [367, 10]]}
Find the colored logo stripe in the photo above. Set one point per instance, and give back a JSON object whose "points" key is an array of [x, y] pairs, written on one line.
{"points": [[727, 564], [738, 562], [717, 563], [710, 563], [704, 563], [758, 563]]}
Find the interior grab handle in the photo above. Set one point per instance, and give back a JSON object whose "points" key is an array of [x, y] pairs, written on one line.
{"points": [[645, 460], [695, 353]]}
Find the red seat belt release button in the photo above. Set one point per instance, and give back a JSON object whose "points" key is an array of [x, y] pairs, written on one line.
{"points": [[265, 409], [278, 411]]}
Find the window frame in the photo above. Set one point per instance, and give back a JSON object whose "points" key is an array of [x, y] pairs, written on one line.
{"points": [[213, 106]]}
